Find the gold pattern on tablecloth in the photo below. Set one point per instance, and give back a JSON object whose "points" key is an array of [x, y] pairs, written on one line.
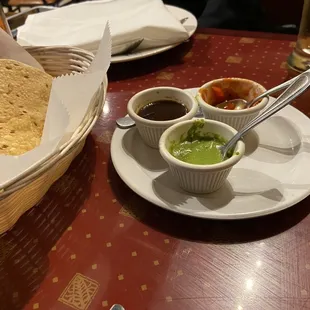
{"points": [[202, 36], [114, 200], [283, 65], [94, 266], [121, 277], [79, 292], [97, 195], [55, 280], [36, 306], [165, 76], [83, 210], [156, 262], [126, 212], [73, 256], [292, 44], [167, 241], [54, 248], [247, 40], [145, 233], [143, 287], [69, 228], [109, 244], [169, 299], [121, 225], [234, 59], [101, 217], [88, 236], [134, 254], [104, 303], [180, 273]]}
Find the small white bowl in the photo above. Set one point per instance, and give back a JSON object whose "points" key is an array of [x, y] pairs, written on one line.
{"points": [[151, 130], [199, 179], [235, 118]]}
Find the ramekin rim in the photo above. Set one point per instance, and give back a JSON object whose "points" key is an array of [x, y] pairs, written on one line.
{"points": [[240, 149]]}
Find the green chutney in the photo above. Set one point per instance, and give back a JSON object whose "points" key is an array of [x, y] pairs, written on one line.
{"points": [[198, 148]]}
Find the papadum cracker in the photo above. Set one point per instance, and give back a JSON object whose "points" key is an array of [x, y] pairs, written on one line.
{"points": [[24, 97]]}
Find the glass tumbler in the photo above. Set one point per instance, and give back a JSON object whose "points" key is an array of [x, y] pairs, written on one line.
{"points": [[299, 60]]}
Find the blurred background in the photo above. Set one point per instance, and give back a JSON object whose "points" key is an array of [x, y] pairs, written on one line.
{"points": [[252, 15]]}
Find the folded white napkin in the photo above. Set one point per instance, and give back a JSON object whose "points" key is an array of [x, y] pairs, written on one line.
{"points": [[82, 25]]}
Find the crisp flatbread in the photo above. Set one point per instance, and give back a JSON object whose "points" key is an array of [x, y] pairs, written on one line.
{"points": [[24, 96]]}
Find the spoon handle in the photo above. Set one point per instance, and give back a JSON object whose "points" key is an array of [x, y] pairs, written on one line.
{"points": [[293, 91], [117, 307], [275, 89]]}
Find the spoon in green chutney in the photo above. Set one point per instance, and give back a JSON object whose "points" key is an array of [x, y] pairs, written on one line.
{"points": [[293, 91]]}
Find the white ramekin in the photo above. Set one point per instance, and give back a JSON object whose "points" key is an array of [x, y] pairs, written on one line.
{"points": [[150, 130], [235, 118], [199, 179]]}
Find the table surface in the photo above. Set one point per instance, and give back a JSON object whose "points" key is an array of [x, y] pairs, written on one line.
{"points": [[92, 242]]}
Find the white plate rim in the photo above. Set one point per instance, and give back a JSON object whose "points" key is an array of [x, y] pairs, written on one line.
{"points": [[191, 21], [127, 180]]}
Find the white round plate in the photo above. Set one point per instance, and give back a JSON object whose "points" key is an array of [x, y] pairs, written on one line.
{"points": [[272, 176], [190, 25]]}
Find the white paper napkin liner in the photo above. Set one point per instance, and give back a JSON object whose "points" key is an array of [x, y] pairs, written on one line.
{"points": [[57, 118], [10, 49], [12, 167], [102, 58], [76, 92]]}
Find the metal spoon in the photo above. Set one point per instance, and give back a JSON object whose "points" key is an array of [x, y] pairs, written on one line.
{"points": [[297, 88], [126, 48], [117, 307], [183, 20], [241, 104], [127, 122]]}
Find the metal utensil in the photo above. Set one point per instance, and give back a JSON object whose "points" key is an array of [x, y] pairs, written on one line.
{"points": [[183, 20], [129, 47], [294, 90], [126, 48], [117, 307], [127, 122], [239, 104], [243, 104]]}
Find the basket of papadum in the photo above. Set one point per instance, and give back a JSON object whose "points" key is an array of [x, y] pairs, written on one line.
{"points": [[50, 98]]}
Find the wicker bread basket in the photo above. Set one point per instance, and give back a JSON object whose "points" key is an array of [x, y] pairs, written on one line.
{"points": [[28, 190]]}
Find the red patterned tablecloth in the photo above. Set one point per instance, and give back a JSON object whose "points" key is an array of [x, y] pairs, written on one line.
{"points": [[92, 242]]}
